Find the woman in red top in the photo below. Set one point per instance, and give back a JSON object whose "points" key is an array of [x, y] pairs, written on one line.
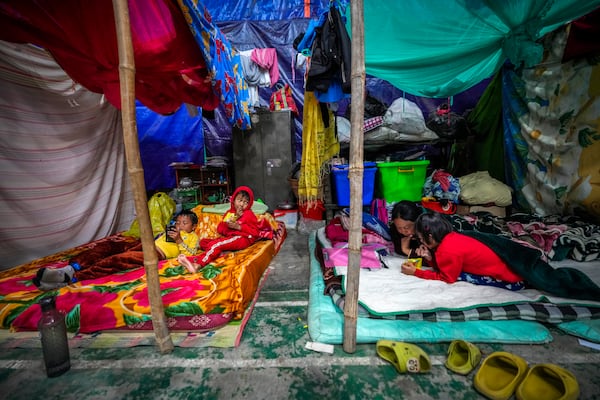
{"points": [[454, 255]]}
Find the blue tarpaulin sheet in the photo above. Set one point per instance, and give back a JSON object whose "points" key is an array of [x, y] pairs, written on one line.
{"points": [[165, 139]]}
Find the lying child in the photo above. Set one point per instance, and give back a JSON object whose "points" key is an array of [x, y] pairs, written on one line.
{"points": [[239, 229], [455, 256]]}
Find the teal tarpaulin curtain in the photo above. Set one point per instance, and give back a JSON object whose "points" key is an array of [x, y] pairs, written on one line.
{"points": [[438, 48]]}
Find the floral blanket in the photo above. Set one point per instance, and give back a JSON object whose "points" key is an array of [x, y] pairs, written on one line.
{"points": [[119, 299]]}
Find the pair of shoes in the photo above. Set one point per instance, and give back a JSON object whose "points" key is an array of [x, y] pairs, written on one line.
{"points": [[548, 381], [463, 357], [405, 357], [501, 374]]}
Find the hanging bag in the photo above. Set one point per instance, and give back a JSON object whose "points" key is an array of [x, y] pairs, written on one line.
{"points": [[282, 99], [447, 124]]}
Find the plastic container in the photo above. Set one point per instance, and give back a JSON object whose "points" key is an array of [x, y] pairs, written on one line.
{"points": [[402, 180], [342, 183], [288, 217], [53, 333], [313, 211]]}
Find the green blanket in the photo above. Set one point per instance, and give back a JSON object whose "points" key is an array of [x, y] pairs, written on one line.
{"points": [[527, 262]]}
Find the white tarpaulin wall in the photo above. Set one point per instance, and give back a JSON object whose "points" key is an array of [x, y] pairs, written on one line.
{"points": [[62, 161]]}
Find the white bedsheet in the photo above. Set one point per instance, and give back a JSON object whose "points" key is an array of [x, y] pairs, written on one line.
{"points": [[389, 291]]}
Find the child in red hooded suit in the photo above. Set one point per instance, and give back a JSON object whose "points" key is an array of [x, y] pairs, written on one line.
{"points": [[238, 229]]}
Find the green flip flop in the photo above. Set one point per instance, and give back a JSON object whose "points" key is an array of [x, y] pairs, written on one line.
{"points": [[499, 375], [548, 381], [405, 357], [463, 357]]}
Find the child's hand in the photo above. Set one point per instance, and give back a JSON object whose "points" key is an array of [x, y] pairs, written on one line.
{"points": [[423, 251], [231, 217], [174, 234], [408, 268], [233, 225]]}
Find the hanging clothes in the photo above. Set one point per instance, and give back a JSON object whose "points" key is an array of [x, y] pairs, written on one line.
{"points": [[81, 36], [267, 59], [330, 64], [318, 145]]}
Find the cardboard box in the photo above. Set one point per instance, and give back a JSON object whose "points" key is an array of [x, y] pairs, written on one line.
{"points": [[464, 209]]}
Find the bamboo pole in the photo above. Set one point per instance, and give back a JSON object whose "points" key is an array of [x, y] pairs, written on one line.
{"points": [[355, 175], [136, 172]]}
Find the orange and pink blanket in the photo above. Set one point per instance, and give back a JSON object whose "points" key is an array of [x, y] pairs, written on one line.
{"points": [[111, 292]]}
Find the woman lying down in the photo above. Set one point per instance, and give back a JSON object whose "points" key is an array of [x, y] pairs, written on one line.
{"points": [[490, 260]]}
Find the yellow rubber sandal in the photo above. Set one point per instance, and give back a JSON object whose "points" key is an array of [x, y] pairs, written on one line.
{"points": [[499, 375], [463, 357], [405, 357], [550, 382]]}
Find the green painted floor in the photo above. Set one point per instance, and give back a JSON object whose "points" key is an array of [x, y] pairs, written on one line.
{"points": [[271, 361]]}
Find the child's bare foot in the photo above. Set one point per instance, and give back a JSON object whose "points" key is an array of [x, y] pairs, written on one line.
{"points": [[183, 260]]}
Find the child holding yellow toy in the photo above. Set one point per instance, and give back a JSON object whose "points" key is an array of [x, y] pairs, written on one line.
{"points": [[238, 229]]}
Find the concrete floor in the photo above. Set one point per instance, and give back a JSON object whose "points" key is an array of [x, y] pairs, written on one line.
{"points": [[271, 362]]}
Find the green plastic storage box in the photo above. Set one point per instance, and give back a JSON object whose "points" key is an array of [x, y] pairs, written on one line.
{"points": [[401, 180]]}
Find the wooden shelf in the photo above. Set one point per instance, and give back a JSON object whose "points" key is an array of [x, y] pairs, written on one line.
{"points": [[213, 183]]}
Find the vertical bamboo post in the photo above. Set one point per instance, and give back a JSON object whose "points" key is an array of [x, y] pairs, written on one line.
{"points": [[355, 175], [136, 172]]}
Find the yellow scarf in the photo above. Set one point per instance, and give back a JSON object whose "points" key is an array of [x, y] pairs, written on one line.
{"points": [[319, 144]]}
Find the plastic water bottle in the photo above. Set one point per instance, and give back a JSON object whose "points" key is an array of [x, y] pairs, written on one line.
{"points": [[53, 333]]}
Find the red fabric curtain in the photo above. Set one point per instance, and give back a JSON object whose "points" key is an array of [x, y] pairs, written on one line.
{"points": [[583, 37], [81, 36]]}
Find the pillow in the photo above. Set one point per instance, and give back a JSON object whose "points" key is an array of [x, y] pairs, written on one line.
{"points": [[373, 224], [221, 208], [371, 254], [480, 188], [586, 329]]}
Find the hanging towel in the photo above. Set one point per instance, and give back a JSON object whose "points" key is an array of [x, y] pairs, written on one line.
{"points": [[267, 58]]}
